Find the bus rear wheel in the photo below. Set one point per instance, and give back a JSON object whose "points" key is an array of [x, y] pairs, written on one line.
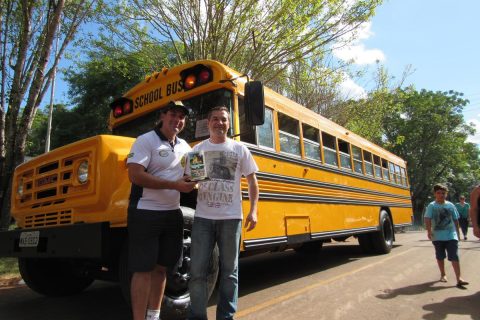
{"points": [[382, 240], [52, 277]]}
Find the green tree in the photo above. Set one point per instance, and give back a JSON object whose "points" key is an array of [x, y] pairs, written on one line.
{"points": [[104, 75], [27, 32], [429, 132], [261, 38], [35, 144], [313, 84], [425, 128]]}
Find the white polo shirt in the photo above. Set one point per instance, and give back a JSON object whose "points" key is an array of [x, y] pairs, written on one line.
{"points": [[153, 151]]}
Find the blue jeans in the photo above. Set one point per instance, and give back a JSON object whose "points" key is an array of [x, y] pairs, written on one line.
{"points": [[226, 234]]}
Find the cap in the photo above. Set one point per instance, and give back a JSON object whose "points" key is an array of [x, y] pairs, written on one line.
{"points": [[176, 105]]}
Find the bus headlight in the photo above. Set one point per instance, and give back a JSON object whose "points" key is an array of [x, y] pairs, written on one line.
{"points": [[20, 188], [82, 172]]}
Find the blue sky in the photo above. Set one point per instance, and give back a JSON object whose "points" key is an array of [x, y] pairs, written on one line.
{"points": [[440, 39]]}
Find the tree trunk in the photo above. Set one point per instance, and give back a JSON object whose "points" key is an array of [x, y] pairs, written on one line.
{"points": [[5, 217]]}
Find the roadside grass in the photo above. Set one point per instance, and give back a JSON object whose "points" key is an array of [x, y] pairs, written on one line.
{"points": [[8, 268]]}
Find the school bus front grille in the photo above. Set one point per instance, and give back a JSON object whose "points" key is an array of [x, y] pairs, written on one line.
{"points": [[52, 183], [48, 219]]}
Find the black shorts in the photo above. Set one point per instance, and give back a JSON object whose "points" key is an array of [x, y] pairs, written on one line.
{"points": [[155, 237], [450, 246]]}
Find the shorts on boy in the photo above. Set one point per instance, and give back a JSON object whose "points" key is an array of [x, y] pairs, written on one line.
{"points": [[449, 246]]}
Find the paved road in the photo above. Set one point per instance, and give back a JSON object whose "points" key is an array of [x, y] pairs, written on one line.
{"points": [[339, 283], [342, 283]]}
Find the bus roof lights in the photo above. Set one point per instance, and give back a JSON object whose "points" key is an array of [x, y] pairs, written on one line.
{"points": [[127, 107], [196, 76], [117, 112], [121, 107], [190, 82], [204, 76]]}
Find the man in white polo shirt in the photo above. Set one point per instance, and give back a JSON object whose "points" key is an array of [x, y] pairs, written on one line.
{"points": [[155, 222]]}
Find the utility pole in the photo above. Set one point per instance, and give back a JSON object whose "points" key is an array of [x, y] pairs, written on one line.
{"points": [[52, 94]]}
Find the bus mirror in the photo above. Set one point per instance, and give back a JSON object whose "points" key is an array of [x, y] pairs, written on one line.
{"points": [[254, 103]]}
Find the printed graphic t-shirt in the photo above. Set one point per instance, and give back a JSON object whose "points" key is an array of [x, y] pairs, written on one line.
{"points": [[220, 196], [443, 216]]}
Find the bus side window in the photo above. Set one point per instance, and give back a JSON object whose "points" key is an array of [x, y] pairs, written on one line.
{"points": [[385, 170], [289, 134], [329, 149], [344, 148], [357, 159], [265, 131], [404, 176], [367, 158], [391, 167], [247, 132], [398, 178], [310, 142], [378, 167]]}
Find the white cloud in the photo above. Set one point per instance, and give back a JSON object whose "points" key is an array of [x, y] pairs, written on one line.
{"points": [[351, 90], [357, 51], [475, 138]]}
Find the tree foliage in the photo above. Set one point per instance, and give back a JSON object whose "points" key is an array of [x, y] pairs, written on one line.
{"points": [[94, 82], [430, 133], [261, 38], [425, 128], [27, 32]]}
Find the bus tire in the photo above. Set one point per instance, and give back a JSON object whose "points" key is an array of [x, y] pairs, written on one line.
{"points": [[176, 299], [382, 240], [52, 277]]}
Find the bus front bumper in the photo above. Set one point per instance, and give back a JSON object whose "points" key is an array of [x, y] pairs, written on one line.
{"points": [[72, 241]]}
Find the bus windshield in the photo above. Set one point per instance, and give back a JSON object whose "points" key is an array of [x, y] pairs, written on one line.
{"points": [[196, 125]]}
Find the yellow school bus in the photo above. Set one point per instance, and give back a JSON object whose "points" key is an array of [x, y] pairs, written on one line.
{"points": [[318, 182]]}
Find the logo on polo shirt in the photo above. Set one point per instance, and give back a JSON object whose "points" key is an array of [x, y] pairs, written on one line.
{"points": [[130, 155], [163, 153], [183, 161]]}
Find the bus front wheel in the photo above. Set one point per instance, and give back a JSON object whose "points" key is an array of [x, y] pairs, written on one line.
{"points": [[53, 276]]}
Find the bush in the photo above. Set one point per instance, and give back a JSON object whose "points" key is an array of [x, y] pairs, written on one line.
{"points": [[8, 267]]}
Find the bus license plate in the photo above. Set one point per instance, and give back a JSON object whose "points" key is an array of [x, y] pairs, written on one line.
{"points": [[29, 239]]}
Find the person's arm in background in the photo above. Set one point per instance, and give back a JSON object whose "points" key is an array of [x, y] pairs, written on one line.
{"points": [[474, 198]]}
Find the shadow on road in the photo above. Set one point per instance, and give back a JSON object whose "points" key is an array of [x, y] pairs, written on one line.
{"points": [[411, 290], [101, 301], [464, 305]]}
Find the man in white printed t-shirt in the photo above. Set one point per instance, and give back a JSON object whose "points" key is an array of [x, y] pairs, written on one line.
{"points": [[155, 222], [218, 215]]}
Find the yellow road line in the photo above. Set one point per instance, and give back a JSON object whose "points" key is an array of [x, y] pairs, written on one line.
{"points": [[289, 295]]}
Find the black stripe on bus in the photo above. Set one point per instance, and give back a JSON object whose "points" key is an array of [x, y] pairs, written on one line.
{"points": [[259, 243], [275, 241], [318, 199], [346, 232], [284, 157], [313, 183]]}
